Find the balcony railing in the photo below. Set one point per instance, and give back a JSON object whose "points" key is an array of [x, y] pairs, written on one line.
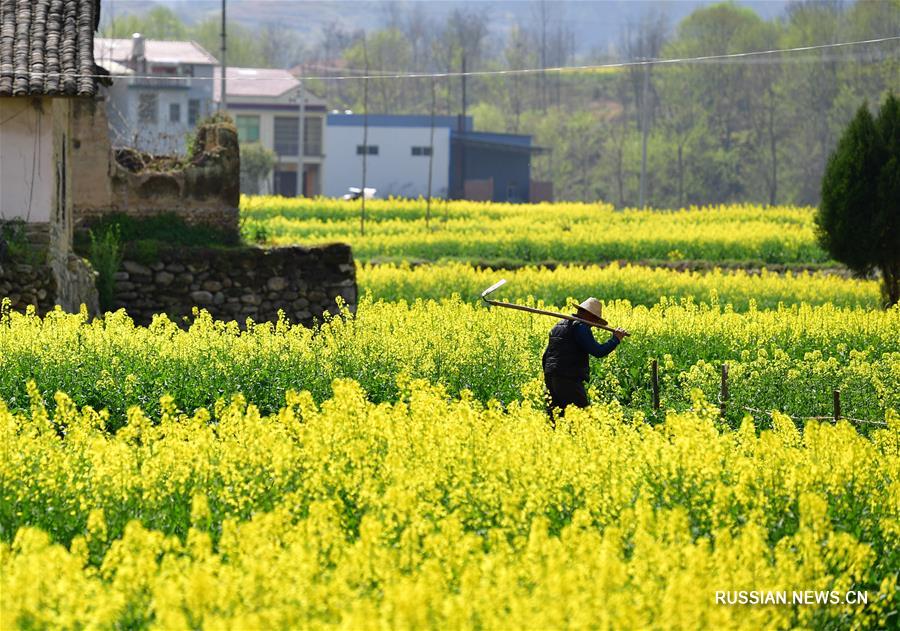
{"points": [[162, 82]]}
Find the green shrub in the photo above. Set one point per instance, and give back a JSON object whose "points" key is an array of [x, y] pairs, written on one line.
{"points": [[106, 257]]}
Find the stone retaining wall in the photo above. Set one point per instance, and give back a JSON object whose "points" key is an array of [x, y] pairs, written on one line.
{"points": [[28, 285], [39, 270], [44, 286], [239, 283]]}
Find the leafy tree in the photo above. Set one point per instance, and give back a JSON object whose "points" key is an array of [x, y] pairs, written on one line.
{"points": [[858, 220], [256, 164], [158, 23], [244, 45]]}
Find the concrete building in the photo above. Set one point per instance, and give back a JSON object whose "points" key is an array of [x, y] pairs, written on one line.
{"points": [[266, 105], [170, 89], [466, 164]]}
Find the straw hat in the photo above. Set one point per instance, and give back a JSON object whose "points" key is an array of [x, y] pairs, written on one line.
{"points": [[593, 306]]}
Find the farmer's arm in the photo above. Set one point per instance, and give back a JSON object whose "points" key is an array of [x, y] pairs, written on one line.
{"points": [[588, 344]]}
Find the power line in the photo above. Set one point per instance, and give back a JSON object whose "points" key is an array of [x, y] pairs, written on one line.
{"points": [[489, 73]]}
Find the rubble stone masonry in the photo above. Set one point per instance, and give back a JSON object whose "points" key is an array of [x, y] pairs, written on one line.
{"points": [[239, 283]]}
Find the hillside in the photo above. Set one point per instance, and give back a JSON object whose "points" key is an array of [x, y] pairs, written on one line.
{"points": [[595, 24]]}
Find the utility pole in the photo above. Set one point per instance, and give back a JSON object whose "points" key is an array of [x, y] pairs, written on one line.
{"points": [[362, 213], [644, 130], [430, 158], [223, 101], [301, 147], [461, 125]]}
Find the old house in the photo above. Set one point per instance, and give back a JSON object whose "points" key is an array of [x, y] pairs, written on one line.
{"points": [[46, 68]]}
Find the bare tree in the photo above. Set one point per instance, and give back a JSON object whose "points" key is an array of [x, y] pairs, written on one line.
{"points": [[282, 47], [642, 41], [518, 55]]}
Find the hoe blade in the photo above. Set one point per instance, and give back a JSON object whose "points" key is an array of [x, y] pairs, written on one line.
{"points": [[493, 288]]}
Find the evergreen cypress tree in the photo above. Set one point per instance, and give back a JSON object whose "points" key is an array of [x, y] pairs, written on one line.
{"points": [[858, 217], [888, 220]]}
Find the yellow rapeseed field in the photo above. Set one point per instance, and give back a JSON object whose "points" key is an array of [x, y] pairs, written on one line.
{"points": [[564, 231], [638, 284], [439, 512], [394, 466], [492, 353]]}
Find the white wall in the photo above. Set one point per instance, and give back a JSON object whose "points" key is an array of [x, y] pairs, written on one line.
{"points": [[394, 171], [27, 169], [164, 137]]}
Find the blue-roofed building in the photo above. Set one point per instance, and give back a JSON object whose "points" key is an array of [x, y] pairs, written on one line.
{"points": [[466, 164]]}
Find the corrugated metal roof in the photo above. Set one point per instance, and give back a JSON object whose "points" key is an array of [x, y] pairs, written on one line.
{"points": [[155, 51], [397, 120], [46, 47]]}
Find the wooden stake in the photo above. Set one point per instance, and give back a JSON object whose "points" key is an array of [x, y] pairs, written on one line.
{"points": [[654, 372], [723, 395], [837, 405]]}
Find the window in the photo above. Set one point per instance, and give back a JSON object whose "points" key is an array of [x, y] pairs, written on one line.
{"points": [[372, 150], [174, 112], [287, 135], [312, 136], [248, 128], [512, 194], [148, 108], [193, 112], [421, 151]]}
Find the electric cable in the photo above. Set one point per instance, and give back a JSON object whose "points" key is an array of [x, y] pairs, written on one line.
{"points": [[507, 72]]}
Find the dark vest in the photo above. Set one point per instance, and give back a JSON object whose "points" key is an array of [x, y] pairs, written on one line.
{"points": [[563, 357]]}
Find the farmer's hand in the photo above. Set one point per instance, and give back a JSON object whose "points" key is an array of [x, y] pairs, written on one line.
{"points": [[620, 333]]}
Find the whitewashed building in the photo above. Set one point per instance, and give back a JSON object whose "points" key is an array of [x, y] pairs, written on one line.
{"points": [[266, 105], [466, 164], [47, 74], [398, 154], [167, 91]]}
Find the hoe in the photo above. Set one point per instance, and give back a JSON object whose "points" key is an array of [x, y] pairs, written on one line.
{"points": [[562, 316]]}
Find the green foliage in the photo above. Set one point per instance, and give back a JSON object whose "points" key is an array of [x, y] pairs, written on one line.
{"points": [[245, 47], [144, 251], [158, 23], [257, 163], [165, 228], [105, 256], [858, 220], [15, 245], [255, 232]]}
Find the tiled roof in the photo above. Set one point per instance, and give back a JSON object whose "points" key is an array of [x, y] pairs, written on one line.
{"points": [[266, 82], [155, 51], [47, 47]]}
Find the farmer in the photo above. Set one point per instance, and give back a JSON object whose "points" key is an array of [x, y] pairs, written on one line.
{"points": [[565, 361]]}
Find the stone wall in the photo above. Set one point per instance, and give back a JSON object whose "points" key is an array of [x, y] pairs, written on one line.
{"points": [[239, 283], [203, 189], [27, 285], [44, 277]]}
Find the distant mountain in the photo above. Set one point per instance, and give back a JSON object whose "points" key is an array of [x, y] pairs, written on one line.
{"points": [[596, 24]]}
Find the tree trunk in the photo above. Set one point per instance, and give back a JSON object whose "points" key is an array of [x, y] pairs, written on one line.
{"points": [[890, 283], [680, 176], [773, 188]]}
